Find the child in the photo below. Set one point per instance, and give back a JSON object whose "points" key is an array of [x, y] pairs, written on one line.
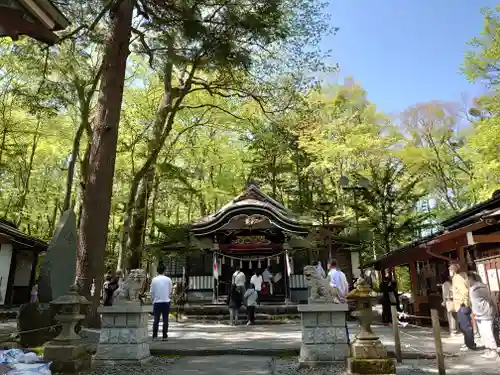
{"points": [[465, 325], [234, 301], [251, 297]]}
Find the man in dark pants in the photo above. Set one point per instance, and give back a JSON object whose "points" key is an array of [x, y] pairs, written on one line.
{"points": [[465, 324], [161, 291]]}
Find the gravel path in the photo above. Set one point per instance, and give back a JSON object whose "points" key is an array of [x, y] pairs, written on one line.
{"points": [[157, 366], [222, 365], [289, 366]]}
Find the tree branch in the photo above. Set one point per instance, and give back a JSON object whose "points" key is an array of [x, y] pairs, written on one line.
{"points": [[94, 23], [147, 49], [214, 106]]}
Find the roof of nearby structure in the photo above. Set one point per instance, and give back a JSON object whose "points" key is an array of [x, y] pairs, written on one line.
{"points": [[253, 206], [8, 229], [38, 19], [481, 211]]}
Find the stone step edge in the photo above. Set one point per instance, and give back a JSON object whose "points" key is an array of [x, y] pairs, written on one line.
{"points": [[267, 352]]}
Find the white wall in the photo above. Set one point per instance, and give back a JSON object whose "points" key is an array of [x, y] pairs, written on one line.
{"points": [[5, 260], [355, 264]]}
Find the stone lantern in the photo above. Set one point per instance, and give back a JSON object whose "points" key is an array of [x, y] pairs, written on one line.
{"points": [[65, 351], [368, 355]]}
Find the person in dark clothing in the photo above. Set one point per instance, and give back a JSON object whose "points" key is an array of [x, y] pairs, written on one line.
{"points": [[110, 285], [390, 298], [465, 324], [234, 301]]}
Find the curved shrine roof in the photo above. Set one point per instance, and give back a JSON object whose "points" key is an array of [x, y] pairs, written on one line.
{"points": [[252, 209]]}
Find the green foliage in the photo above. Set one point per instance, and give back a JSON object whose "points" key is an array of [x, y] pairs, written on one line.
{"points": [[388, 204], [482, 64], [218, 93]]}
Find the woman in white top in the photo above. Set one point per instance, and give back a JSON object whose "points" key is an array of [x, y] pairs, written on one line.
{"points": [[257, 281]]}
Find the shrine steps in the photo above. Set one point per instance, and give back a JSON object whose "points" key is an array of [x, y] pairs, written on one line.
{"points": [[265, 313]]}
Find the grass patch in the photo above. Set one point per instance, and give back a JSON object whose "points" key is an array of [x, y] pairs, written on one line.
{"points": [[37, 350], [173, 356], [287, 354]]}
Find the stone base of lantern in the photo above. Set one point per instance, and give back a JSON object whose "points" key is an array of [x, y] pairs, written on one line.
{"points": [[68, 357], [324, 334], [365, 366], [124, 335], [370, 357]]}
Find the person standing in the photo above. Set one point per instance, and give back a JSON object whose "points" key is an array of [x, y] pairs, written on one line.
{"points": [[484, 310], [389, 291], [234, 300], [451, 313], [161, 291], [257, 281], [319, 269], [251, 298], [366, 274], [465, 324], [338, 279], [459, 287], [460, 291], [239, 279], [267, 278]]}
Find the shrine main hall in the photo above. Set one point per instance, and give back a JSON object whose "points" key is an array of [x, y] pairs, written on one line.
{"points": [[254, 231]]}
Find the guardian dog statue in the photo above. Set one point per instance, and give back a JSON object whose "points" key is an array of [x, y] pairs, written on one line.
{"points": [[321, 290]]}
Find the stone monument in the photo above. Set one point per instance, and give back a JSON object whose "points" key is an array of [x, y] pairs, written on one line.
{"points": [[58, 269], [57, 274], [324, 327], [124, 327], [66, 351], [368, 355]]}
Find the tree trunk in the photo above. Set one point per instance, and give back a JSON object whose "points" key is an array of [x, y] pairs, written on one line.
{"points": [[99, 181], [29, 168], [139, 221], [71, 166]]}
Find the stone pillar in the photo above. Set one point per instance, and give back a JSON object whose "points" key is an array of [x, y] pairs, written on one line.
{"points": [[66, 352], [324, 334], [124, 334]]}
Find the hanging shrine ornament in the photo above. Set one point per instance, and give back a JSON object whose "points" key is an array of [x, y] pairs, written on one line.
{"points": [[232, 262], [259, 264], [277, 259]]}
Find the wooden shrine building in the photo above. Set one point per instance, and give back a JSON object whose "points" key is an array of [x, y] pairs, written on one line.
{"points": [[18, 262], [254, 231], [38, 19], [471, 238]]}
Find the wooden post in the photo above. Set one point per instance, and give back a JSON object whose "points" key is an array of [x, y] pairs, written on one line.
{"points": [[397, 338], [436, 327]]}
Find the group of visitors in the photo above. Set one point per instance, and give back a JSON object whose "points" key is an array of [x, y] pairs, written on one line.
{"points": [[239, 295], [468, 301]]}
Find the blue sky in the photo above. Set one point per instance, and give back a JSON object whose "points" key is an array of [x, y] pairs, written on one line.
{"points": [[408, 51]]}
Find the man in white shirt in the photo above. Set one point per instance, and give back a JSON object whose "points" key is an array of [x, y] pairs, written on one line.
{"points": [[267, 278], [257, 281], [161, 291], [338, 279], [239, 279]]}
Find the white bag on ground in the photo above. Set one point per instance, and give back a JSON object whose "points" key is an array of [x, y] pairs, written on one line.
{"points": [[30, 369]]}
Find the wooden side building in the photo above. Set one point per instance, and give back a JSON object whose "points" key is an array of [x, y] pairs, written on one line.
{"points": [[471, 238]]}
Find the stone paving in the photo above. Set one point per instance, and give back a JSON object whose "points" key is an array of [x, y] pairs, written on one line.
{"points": [[222, 365], [191, 340]]}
